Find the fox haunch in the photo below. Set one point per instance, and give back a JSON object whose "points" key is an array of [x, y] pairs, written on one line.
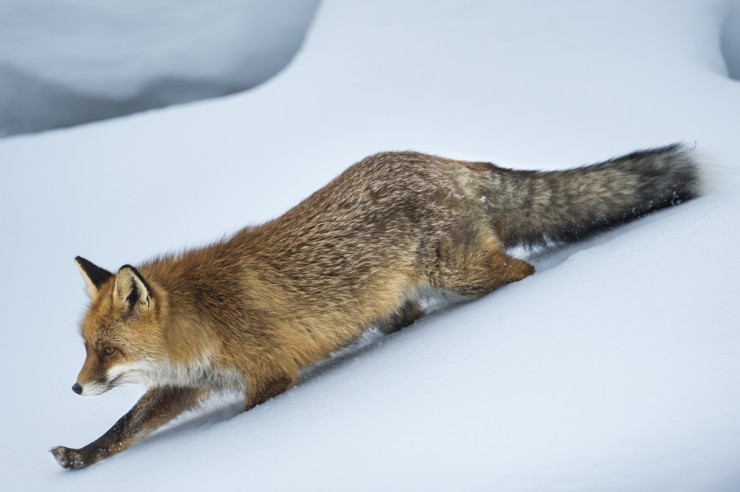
{"points": [[250, 312]]}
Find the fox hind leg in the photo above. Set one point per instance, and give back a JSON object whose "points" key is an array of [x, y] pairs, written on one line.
{"points": [[474, 270]]}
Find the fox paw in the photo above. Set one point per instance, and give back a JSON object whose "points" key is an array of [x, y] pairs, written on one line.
{"points": [[70, 458]]}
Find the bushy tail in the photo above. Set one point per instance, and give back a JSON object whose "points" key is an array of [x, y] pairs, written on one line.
{"points": [[533, 207]]}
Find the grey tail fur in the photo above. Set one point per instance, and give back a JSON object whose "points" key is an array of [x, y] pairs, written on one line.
{"points": [[533, 207]]}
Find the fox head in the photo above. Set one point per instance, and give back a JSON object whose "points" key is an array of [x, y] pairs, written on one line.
{"points": [[120, 328]]}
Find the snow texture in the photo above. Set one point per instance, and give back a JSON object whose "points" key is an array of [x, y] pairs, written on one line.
{"points": [[614, 368], [66, 62]]}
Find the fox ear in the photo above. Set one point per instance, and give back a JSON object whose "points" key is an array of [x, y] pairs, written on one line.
{"points": [[131, 290], [94, 276]]}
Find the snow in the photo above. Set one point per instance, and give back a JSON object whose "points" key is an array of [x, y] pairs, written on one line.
{"points": [[65, 62], [614, 368], [730, 39]]}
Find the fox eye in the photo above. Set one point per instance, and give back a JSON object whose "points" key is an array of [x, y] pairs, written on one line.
{"points": [[109, 350]]}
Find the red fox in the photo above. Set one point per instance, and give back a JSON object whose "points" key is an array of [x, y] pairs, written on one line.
{"points": [[250, 312]]}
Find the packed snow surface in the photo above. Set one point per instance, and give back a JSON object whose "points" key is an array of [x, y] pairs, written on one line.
{"points": [[614, 368]]}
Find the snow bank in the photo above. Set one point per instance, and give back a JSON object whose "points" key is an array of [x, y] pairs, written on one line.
{"points": [[614, 368], [65, 62], [731, 39]]}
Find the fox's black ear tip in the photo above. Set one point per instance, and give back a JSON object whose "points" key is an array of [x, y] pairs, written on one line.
{"points": [[93, 274]]}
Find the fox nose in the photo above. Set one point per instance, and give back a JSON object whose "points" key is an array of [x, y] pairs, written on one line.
{"points": [[77, 388]]}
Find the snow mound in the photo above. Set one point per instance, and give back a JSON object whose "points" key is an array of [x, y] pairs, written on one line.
{"points": [[65, 62], [731, 39]]}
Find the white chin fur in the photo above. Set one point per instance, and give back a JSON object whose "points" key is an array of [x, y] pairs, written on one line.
{"points": [[198, 373], [94, 389]]}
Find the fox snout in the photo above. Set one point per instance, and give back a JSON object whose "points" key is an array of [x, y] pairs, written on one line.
{"points": [[96, 376], [91, 389], [93, 379]]}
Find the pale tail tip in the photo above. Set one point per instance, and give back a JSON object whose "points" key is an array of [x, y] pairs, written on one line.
{"points": [[714, 175]]}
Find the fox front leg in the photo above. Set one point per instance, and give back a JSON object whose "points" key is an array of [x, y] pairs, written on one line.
{"points": [[155, 408], [260, 393]]}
